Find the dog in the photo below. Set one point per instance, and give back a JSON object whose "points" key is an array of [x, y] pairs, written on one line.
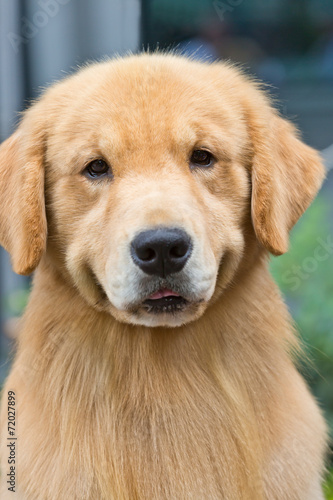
{"points": [[156, 358]]}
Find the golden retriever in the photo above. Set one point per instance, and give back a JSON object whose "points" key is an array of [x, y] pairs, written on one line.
{"points": [[155, 358]]}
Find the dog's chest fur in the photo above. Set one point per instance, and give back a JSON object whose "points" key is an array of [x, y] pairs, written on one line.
{"points": [[155, 413]]}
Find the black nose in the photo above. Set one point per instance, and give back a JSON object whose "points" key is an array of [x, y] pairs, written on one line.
{"points": [[161, 251]]}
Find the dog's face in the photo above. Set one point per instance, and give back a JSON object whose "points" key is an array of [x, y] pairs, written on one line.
{"points": [[153, 166], [148, 195]]}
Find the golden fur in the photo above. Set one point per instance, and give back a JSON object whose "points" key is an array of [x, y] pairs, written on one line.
{"points": [[109, 405]]}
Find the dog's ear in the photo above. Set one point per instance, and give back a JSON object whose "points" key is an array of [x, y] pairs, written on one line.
{"points": [[22, 206], [286, 175]]}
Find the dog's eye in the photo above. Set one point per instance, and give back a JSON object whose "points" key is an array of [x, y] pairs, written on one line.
{"points": [[201, 158], [97, 168]]}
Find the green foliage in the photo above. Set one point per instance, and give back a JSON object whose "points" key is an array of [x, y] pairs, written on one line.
{"points": [[16, 301], [328, 488], [304, 275]]}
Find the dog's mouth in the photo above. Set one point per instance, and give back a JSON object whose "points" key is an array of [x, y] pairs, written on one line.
{"points": [[164, 301]]}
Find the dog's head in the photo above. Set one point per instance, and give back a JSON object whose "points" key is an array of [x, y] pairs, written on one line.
{"points": [[148, 181]]}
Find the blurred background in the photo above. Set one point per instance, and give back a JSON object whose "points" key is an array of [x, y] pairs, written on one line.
{"points": [[287, 44]]}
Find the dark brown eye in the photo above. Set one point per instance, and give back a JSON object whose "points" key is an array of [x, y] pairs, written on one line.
{"points": [[201, 158], [96, 169]]}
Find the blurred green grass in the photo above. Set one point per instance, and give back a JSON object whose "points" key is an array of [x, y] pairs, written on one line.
{"points": [[328, 489]]}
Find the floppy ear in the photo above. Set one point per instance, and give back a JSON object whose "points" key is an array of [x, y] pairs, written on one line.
{"points": [[22, 207], [286, 175]]}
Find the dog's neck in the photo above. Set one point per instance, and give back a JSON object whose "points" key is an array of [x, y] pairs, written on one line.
{"points": [[189, 385]]}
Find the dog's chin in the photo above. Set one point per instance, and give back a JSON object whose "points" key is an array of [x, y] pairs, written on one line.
{"points": [[161, 315]]}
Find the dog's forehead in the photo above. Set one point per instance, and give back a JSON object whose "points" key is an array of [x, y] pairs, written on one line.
{"points": [[146, 103], [140, 96], [152, 86]]}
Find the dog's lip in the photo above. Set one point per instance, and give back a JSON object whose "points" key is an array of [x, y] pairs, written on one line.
{"points": [[164, 300], [161, 293]]}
